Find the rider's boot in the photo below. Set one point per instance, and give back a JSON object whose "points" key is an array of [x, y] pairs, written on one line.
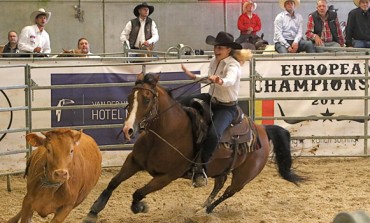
{"points": [[199, 177]]}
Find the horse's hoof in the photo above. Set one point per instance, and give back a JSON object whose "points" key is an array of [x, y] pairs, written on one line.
{"points": [[90, 218], [140, 207], [200, 210], [209, 209]]}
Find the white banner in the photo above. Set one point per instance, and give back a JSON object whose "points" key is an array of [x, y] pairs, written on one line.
{"points": [[312, 80]]}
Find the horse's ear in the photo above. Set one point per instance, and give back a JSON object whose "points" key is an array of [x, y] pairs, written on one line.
{"points": [[151, 47], [140, 76], [156, 77]]}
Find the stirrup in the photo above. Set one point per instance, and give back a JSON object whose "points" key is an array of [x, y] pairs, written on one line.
{"points": [[199, 177]]}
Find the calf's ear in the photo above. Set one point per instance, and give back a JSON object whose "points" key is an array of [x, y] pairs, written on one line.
{"points": [[35, 140]]}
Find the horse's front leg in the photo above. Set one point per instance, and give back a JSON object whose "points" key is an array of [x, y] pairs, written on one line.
{"points": [[157, 183], [128, 169], [219, 183]]}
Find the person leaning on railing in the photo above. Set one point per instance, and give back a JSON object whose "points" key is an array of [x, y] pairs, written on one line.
{"points": [[142, 30], [358, 25], [323, 27], [11, 48], [288, 30], [34, 38]]}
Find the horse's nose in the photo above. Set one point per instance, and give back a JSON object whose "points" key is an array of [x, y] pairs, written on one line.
{"points": [[61, 174], [131, 132], [128, 132]]}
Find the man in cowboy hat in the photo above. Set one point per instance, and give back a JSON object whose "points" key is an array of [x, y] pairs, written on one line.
{"points": [[224, 74], [34, 38], [358, 25], [323, 27], [142, 30], [288, 33], [249, 23]]}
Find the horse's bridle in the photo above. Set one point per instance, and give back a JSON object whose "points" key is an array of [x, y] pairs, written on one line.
{"points": [[153, 113]]}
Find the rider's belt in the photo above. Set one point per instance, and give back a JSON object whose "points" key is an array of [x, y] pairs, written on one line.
{"points": [[217, 102]]}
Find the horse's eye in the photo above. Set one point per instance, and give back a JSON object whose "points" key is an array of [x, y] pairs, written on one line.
{"points": [[146, 101]]}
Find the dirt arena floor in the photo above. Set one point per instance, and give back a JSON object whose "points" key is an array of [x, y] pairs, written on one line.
{"points": [[335, 185]]}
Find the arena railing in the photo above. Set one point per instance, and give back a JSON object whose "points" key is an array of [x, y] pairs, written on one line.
{"points": [[29, 87]]}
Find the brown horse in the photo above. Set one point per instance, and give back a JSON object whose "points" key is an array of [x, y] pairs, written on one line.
{"points": [[165, 150]]}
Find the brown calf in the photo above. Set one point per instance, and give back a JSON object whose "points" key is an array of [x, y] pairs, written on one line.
{"points": [[61, 172]]}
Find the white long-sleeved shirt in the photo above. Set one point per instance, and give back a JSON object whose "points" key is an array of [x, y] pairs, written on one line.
{"points": [[229, 70], [31, 37], [125, 35], [288, 27]]}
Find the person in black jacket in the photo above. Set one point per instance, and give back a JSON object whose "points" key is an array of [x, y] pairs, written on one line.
{"points": [[323, 27], [142, 30], [358, 25], [11, 48]]}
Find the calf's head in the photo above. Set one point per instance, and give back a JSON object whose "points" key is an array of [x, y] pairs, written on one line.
{"points": [[59, 146]]}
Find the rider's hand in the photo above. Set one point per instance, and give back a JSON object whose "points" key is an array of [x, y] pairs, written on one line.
{"points": [[216, 79], [187, 72]]}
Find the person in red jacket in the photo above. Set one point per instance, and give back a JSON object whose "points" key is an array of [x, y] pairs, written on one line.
{"points": [[249, 24]]}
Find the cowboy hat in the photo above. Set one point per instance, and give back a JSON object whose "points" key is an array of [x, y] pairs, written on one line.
{"points": [[282, 2], [223, 39], [142, 5], [39, 12], [249, 2], [356, 217], [357, 2]]}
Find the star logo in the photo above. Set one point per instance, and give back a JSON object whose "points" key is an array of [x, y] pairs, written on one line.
{"points": [[327, 114]]}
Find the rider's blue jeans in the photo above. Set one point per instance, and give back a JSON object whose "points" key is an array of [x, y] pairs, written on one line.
{"points": [[303, 46], [361, 44]]}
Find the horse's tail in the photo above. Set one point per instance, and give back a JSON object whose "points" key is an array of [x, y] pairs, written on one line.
{"points": [[280, 138]]}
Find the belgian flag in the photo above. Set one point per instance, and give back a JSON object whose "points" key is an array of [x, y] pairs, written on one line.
{"points": [[264, 108]]}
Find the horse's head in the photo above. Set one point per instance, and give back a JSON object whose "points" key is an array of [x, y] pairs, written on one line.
{"points": [[72, 53], [142, 104], [147, 48]]}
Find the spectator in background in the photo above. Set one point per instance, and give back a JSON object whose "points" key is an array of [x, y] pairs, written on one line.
{"points": [[34, 38], [323, 27], [358, 25], [288, 30], [142, 30], [11, 48], [84, 47], [249, 24]]}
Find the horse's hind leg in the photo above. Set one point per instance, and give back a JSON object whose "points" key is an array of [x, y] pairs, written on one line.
{"points": [[238, 181], [128, 169], [251, 167], [219, 183]]}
